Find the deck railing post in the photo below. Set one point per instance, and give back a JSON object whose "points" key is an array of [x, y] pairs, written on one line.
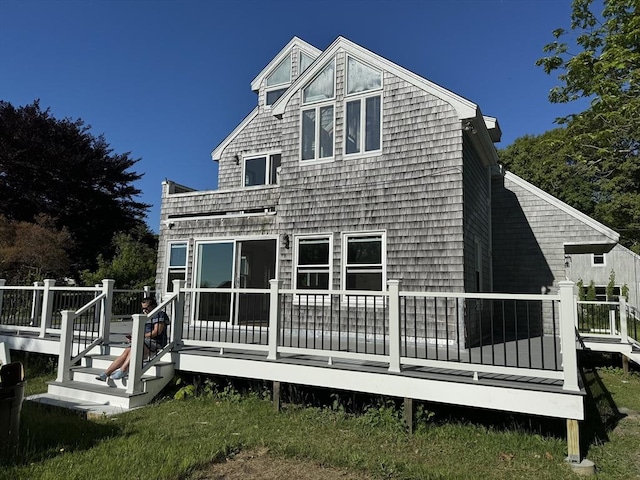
{"points": [[147, 291], [568, 312], [394, 325], [66, 343], [274, 318], [46, 314], [36, 302], [137, 353], [177, 314], [624, 329], [97, 314], [105, 318], [2, 284]]}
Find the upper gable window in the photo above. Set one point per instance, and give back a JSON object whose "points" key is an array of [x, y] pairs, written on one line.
{"points": [[322, 87], [282, 73], [279, 77], [305, 61], [362, 77]]}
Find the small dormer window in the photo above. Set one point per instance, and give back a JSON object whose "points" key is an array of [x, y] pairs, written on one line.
{"points": [[278, 81], [322, 87], [305, 61]]}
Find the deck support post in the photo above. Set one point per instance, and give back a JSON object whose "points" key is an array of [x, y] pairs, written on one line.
{"points": [[178, 314], [624, 329], [47, 306], [274, 318], [573, 441], [276, 396], [625, 364], [2, 283], [568, 314], [394, 325], [136, 354], [104, 330], [408, 414], [66, 343]]}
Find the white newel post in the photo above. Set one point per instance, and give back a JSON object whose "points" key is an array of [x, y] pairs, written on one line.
{"points": [[624, 329], [97, 313], [274, 319], [66, 342], [2, 284], [147, 291], [137, 352], [36, 303], [568, 312], [177, 314], [394, 325], [47, 306], [105, 318]]}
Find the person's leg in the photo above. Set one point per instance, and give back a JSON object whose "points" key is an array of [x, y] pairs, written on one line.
{"points": [[119, 362]]}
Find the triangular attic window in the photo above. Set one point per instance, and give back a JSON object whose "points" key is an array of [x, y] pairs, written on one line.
{"points": [[322, 87], [281, 74], [362, 77], [305, 61]]}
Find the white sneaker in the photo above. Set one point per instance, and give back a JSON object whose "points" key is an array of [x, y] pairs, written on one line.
{"points": [[118, 374]]}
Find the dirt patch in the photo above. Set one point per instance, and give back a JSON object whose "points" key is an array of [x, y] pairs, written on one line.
{"points": [[259, 465]]}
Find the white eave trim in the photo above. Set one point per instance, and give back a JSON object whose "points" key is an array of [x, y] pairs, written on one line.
{"points": [[578, 215], [217, 152], [301, 44], [464, 108]]}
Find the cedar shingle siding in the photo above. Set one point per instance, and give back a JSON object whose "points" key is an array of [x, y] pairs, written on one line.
{"points": [[449, 226]]}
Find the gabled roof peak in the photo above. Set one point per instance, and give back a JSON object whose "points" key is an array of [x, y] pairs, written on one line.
{"points": [[295, 41], [463, 107]]}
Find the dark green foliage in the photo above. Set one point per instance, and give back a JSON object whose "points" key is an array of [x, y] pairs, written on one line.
{"points": [[59, 169], [604, 139]]}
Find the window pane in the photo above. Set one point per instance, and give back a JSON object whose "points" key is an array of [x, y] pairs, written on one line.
{"points": [[274, 95], [353, 127], [275, 163], [364, 250], [326, 132], [282, 73], [315, 280], [361, 77], [254, 171], [321, 88], [305, 61], [364, 281], [308, 134], [178, 255], [372, 135], [215, 265], [178, 274], [313, 252]]}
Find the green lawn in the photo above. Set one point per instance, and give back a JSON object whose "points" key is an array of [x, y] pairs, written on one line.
{"points": [[173, 439]]}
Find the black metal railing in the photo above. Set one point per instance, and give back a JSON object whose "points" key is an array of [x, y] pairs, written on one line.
{"points": [[17, 307]]}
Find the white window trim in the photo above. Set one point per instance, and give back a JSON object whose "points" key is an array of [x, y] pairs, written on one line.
{"points": [[297, 238], [361, 97], [252, 156], [343, 269], [364, 92], [598, 265], [169, 269], [322, 100], [316, 160]]}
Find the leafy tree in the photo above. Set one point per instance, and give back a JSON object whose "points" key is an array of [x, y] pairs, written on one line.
{"points": [[57, 168], [548, 162], [132, 266], [605, 138], [31, 252]]}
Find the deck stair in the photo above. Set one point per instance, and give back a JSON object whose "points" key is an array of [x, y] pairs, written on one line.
{"points": [[84, 393]]}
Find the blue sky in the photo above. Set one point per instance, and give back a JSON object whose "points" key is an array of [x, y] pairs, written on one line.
{"points": [[168, 80]]}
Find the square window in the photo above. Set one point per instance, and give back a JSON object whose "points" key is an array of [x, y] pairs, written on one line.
{"points": [[598, 259], [261, 170]]}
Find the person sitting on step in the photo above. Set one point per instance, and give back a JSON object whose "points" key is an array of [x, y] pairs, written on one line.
{"points": [[155, 338]]}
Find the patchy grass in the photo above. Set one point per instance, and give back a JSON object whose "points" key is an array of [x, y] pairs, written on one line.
{"points": [[218, 430]]}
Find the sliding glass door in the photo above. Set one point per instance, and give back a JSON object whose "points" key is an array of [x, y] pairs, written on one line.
{"points": [[237, 265]]}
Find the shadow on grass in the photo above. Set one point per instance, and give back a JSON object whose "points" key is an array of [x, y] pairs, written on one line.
{"points": [[601, 412], [46, 433]]}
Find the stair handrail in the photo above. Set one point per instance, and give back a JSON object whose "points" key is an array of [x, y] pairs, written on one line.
{"points": [[136, 367]]}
